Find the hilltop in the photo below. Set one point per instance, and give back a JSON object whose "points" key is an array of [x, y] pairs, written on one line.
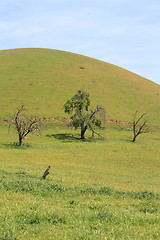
{"points": [[44, 79]]}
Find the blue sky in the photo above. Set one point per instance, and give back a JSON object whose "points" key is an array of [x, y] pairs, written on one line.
{"points": [[122, 32]]}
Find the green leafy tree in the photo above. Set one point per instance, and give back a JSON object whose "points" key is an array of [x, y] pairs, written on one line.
{"points": [[78, 108]]}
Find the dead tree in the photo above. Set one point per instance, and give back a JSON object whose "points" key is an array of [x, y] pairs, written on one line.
{"points": [[139, 125], [46, 172], [97, 116], [24, 125]]}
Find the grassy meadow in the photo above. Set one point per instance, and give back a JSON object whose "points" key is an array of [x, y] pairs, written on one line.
{"points": [[97, 189], [103, 189]]}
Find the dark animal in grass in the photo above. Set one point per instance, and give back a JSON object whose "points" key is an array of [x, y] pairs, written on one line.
{"points": [[46, 172]]}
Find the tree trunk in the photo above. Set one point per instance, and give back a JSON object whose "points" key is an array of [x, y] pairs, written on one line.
{"points": [[134, 138], [20, 140], [83, 130]]}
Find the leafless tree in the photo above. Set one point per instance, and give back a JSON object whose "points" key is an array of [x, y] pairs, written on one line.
{"points": [[24, 124], [139, 125], [97, 116]]}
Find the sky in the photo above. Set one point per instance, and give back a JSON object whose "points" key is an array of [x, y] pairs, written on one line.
{"points": [[125, 33]]}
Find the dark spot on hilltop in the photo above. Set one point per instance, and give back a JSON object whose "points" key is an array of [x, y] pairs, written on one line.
{"points": [[81, 67]]}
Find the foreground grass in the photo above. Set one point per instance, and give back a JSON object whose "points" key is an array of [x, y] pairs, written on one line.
{"points": [[50, 211], [106, 189]]}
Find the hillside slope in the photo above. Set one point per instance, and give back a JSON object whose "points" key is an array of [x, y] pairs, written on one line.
{"points": [[44, 79]]}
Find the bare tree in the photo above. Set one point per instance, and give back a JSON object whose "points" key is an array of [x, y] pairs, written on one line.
{"points": [[24, 125], [139, 125], [97, 116]]}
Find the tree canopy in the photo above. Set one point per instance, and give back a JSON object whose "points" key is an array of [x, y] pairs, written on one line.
{"points": [[78, 108]]}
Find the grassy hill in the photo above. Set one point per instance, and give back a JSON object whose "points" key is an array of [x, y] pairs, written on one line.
{"points": [[44, 79], [96, 189]]}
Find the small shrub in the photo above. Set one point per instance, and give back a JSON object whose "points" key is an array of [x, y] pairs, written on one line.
{"points": [[9, 236], [55, 219], [105, 216], [148, 207], [143, 195], [57, 188], [106, 191], [89, 191]]}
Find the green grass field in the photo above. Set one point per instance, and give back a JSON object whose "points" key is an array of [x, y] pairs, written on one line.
{"points": [[103, 189], [96, 190], [44, 79]]}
